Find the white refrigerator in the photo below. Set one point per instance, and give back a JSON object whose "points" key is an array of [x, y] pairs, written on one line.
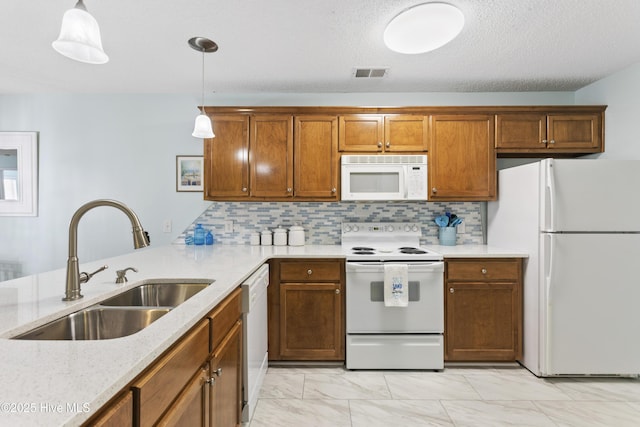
{"points": [[579, 221]]}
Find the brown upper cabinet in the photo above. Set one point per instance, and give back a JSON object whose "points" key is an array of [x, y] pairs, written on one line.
{"points": [[546, 134], [386, 133], [462, 160]]}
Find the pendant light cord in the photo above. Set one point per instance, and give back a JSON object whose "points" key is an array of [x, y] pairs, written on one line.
{"points": [[202, 105]]}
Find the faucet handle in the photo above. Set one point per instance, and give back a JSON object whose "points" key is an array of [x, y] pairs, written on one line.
{"points": [[84, 277], [122, 274]]}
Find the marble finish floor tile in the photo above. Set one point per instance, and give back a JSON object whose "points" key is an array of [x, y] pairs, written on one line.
{"points": [[590, 414], [478, 413], [296, 413], [347, 386], [515, 387], [282, 386], [386, 413], [431, 385], [602, 389]]}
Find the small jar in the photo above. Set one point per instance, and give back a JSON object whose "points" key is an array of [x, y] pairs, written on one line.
{"points": [[280, 237], [198, 235], [296, 235], [265, 237], [254, 239]]}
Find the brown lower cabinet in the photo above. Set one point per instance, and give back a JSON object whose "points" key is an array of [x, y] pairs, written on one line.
{"points": [[306, 310], [197, 382], [483, 309]]}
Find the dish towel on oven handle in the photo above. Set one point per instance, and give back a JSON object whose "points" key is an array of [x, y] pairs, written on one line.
{"points": [[396, 285]]}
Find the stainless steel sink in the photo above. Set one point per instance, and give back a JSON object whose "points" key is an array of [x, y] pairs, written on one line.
{"points": [[170, 294], [97, 323]]}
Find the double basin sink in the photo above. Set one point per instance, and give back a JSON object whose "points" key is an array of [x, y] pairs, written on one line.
{"points": [[121, 315]]}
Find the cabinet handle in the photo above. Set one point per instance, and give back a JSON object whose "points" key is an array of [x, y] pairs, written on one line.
{"points": [[483, 271], [379, 144], [434, 190], [553, 141], [451, 290], [309, 272], [211, 381], [289, 190], [244, 189], [544, 141], [218, 372], [333, 190], [388, 144], [337, 291]]}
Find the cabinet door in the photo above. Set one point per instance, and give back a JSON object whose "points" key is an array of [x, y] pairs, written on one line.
{"points": [[462, 160], [574, 132], [226, 167], [482, 321], [361, 132], [405, 133], [117, 414], [271, 156], [226, 377], [315, 154], [311, 321], [521, 131], [192, 406]]}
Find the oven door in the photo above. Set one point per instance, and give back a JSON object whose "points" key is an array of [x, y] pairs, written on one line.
{"points": [[367, 314]]}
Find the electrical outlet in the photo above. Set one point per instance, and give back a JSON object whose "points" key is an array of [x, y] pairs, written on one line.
{"points": [[166, 226], [228, 226]]}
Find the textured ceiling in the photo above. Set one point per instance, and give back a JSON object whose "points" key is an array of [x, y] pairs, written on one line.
{"points": [[314, 46]]}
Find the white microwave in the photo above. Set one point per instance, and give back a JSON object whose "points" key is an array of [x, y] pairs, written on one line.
{"points": [[384, 177]]}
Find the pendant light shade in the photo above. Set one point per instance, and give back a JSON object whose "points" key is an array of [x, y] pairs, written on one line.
{"points": [[79, 37], [203, 127]]}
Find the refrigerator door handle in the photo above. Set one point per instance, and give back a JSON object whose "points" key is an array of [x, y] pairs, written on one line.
{"points": [[548, 274], [550, 191]]}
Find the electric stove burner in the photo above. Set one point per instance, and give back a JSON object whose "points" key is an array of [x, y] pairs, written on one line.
{"points": [[412, 251], [363, 252], [363, 248]]}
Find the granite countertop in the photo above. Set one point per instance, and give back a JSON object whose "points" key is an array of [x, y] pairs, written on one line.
{"points": [[48, 383]]}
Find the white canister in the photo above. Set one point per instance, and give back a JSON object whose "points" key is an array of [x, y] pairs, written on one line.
{"points": [[280, 237], [255, 239], [265, 237], [296, 235]]}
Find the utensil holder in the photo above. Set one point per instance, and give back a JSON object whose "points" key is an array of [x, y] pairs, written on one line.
{"points": [[447, 236]]}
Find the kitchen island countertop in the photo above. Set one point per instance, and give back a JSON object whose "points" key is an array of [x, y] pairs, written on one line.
{"points": [[49, 383]]}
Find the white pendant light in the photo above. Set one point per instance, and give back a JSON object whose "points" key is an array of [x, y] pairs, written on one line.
{"points": [[423, 28], [203, 127], [79, 37]]}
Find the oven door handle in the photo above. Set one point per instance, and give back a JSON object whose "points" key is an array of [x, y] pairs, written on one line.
{"points": [[357, 266]]}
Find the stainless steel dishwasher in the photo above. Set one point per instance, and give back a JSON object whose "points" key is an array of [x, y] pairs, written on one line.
{"points": [[255, 334]]}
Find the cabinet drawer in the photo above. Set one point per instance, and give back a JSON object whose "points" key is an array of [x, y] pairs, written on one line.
{"points": [[155, 391], [224, 316], [483, 270], [311, 271]]}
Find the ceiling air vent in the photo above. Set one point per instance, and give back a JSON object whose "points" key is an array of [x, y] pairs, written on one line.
{"points": [[372, 72]]}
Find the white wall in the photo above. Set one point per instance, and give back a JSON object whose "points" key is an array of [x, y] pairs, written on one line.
{"points": [[123, 147], [620, 91]]}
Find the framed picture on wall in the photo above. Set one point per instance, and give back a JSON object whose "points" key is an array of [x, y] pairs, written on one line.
{"points": [[189, 173]]}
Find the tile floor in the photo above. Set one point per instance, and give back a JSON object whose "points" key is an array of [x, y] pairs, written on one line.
{"points": [[458, 396]]}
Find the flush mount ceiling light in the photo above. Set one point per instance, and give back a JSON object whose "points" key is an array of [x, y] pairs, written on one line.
{"points": [[203, 128], [423, 28], [79, 37]]}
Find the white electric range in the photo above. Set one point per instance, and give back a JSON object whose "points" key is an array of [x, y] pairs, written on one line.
{"points": [[380, 336]]}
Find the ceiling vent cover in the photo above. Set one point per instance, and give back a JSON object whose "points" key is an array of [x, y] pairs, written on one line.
{"points": [[370, 72]]}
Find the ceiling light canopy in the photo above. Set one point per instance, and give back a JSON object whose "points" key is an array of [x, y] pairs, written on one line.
{"points": [[202, 127], [79, 37], [423, 28]]}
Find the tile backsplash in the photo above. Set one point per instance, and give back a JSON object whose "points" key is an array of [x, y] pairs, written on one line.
{"points": [[322, 220]]}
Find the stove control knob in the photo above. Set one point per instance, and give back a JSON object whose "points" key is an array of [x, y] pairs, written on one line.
{"points": [[355, 229], [390, 228], [347, 228], [407, 228], [415, 228]]}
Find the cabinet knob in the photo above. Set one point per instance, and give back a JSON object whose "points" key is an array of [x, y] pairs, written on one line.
{"points": [[379, 144], [309, 272], [434, 190], [483, 271], [289, 190], [244, 189], [544, 141], [333, 190], [553, 141], [211, 381], [451, 290], [388, 144], [337, 291], [218, 372]]}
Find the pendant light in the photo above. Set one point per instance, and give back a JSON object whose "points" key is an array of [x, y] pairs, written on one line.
{"points": [[79, 37], [203, 128]]}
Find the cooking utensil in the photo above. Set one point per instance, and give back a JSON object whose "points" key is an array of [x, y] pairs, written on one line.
{"points": [[442, 220]]}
